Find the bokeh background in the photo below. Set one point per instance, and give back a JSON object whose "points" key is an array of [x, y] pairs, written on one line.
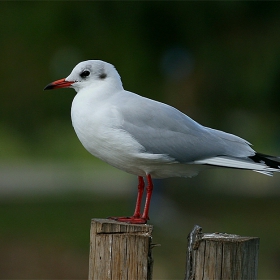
{"points": [[219, 62]]}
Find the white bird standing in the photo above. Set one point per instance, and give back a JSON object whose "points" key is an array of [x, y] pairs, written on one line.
{"points": [[148, 138]]}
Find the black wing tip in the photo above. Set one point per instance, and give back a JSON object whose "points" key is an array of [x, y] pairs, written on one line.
{"points": [[269, 161]]}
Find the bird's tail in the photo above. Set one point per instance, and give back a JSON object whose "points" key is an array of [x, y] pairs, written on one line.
{"points": [[261, 163], [272, 163]]}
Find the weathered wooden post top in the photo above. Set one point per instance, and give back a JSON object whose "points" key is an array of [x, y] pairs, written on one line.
{"points": [[221, 256], [120, 251]]}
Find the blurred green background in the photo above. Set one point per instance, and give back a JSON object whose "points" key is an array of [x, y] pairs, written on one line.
{"points": [[219, 62]]}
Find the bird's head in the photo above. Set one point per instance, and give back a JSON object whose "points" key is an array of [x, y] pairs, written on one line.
{"points": [[88, 73]]}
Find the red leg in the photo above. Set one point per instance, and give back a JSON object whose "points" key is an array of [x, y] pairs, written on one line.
{"points": [[137, 218], [149, 189], [141, 186]]}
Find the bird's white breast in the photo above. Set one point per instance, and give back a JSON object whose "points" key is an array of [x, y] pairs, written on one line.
{"points": [[97, 124]]}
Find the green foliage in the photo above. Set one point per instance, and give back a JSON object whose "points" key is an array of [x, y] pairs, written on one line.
{"points": [[234, 47], [217, 61], [62, 223]]}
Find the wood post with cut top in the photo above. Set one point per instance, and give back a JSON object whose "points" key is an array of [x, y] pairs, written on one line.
{"points": [[221, 256], [120, 251]]}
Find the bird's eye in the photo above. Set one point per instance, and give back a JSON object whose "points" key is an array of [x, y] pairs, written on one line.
{"points": [[85, 73]]}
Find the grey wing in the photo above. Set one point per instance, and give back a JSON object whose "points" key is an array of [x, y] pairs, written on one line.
{"points": [[162, 129]]}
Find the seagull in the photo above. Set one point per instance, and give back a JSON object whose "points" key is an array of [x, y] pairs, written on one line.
{"points": [[148, 138]]}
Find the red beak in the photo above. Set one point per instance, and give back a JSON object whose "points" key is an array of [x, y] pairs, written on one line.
{"points": [[59, 84]]}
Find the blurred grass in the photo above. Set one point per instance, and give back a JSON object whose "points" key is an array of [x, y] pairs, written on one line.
{"points": [[64, 222], [231, 54], [47, 235]]}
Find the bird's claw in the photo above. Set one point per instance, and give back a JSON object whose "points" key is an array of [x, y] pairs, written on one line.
{"points": [[130, 220]]}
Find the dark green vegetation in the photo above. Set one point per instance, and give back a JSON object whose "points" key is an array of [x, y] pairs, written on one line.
{"points": [[219, 62], [53, 232]]}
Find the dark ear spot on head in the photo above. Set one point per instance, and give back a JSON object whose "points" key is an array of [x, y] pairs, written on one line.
{"points": [[102, 76]]}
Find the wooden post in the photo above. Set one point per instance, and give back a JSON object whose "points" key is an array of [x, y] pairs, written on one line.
{"points": [[120, 251], [221, 256]]}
